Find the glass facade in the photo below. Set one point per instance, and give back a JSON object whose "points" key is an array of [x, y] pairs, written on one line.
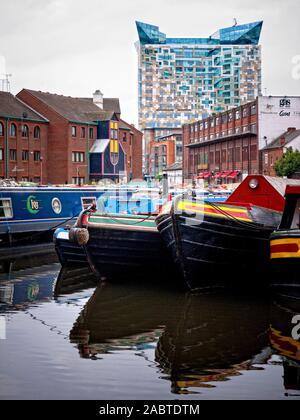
{"points": [[185, 79]]}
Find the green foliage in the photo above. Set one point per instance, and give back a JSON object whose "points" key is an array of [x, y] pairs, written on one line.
{"points": [[288, 164]]}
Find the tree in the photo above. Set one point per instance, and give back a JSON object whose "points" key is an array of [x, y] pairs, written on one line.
{"points": [[288, 164]]}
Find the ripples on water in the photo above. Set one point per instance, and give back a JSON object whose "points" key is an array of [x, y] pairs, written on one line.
{"points": [[67, 338]]}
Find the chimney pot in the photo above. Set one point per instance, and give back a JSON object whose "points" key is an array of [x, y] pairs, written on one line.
{"points": [[98, 98]]}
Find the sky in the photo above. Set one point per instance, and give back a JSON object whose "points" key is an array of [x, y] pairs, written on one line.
{"points": [[74, 47]]}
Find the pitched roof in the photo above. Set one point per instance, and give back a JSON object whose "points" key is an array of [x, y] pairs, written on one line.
{"points": [[11, 106], [99, 146], [73, 109], [112, 104], [177, 166], [288, 136]]}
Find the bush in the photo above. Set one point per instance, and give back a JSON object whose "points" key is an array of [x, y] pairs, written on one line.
{"points": [[288, 164]]}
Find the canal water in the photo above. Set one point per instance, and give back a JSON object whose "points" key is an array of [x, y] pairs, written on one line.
{"points": [[64, 337]]}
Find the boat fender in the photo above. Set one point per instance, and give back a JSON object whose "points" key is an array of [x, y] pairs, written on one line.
{"points": [[79, 235]]}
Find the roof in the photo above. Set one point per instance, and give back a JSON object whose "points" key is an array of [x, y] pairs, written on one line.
{"points": [[99, 146], [168, 135], [126, 126], [247, 34], [11, 106], [112, 104], [288, 136], [177, 166], [73, 109], [280, 184]]}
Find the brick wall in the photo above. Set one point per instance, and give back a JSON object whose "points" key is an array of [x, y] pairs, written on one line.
{"points": [[28, 168]]}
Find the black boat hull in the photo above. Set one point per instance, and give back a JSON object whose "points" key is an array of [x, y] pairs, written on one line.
{"points": [[120, 253], [215, 251]]}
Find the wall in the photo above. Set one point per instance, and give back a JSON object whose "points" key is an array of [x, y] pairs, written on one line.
{"points": [[276, 117]]}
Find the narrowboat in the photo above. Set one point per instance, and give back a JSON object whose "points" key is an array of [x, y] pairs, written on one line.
{"points": [[33, 213], [121, 245], [142, 228], [28, 211], [210, 241], [285, 247]]}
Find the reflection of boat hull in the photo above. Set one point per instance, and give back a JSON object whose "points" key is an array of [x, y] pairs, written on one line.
{"points": [[127, 246], [283, 340], [207, 240], [214, 342], [122, 316]]}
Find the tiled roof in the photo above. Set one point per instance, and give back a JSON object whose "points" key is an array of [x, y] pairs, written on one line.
{"points": [[10, 106], [283, 140], [177, 166], [112, 104], [73, 109]]}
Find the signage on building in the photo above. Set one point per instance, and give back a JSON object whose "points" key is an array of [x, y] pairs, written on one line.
{"points": [[285, 103]]}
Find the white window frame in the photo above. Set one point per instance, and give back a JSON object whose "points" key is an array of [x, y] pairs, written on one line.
{"points": [[11, 208], [87, 198]]}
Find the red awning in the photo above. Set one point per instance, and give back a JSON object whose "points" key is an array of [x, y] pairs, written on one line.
{"points": [[217, 175], [225, 174], [233, 174], [200, 176], [206, 175]]}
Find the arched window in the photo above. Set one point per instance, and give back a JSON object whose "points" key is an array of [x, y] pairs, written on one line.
{"points": [[37, 132], [1, 129], [13, 130], [25, 131]]}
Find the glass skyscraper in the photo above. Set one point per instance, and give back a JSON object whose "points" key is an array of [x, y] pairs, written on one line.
{"points": [[185, 79]]}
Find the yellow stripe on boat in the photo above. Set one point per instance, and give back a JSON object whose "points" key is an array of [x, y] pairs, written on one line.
{"points": [[238, 213], [283, 248]]}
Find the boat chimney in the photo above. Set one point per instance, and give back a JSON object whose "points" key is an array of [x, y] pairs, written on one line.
{"points": [[165, 184], [98, 98]]}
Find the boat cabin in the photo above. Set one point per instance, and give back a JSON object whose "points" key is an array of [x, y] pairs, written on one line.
{"points": [[291, 215]]}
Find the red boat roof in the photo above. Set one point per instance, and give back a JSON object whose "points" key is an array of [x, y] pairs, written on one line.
{"points": [[268, 193], [293, 189]]}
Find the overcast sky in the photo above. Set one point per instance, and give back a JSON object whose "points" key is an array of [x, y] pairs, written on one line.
{"points": [[74, 47]]}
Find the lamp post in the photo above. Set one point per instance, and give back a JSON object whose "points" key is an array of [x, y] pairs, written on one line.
{"points": [[41, 160]]}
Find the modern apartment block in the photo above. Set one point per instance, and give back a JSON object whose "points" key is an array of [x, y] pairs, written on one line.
{"points": [[185, 79]]}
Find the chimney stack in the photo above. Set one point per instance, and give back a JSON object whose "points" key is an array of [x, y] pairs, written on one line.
{"points": [[290, 129], [98, 98]]}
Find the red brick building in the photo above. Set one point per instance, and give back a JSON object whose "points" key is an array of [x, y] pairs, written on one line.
{"points": [[275, 150], [73, 129], [164, 152], [23, 141], [230, 145], [132, 141], [223, 146]]}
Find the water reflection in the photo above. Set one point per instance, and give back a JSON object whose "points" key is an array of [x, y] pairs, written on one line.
{"points": [[27, 287], [192, 341], [284, 339], [197, 339]]}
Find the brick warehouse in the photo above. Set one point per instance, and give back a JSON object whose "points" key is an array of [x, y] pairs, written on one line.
{"points": [[73, 128], [23, 141], [228, 146]]}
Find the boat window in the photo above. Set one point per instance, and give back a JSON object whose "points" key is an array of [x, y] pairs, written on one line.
{"points": [[87, 202], [6, 211], [296, 219]]}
